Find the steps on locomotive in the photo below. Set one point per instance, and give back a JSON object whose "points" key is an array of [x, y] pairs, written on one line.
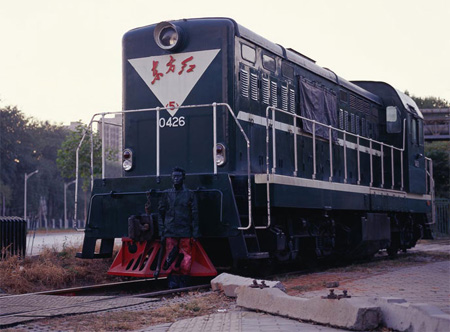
{"points": [[252, 241], [250, 237]]}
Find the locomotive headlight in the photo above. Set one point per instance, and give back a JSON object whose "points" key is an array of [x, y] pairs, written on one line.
{"points": [[167, 35], [221, 157], [127, 160]]}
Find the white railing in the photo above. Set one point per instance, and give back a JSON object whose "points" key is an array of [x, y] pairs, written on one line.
{"points": [[157, 147], [270, 122], [429, 186], [358, 139]]}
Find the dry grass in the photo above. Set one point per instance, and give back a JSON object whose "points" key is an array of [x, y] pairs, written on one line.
{"points": [[133, 320], [50, 270]]}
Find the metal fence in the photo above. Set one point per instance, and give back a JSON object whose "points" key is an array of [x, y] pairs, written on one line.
{"points": [[13, 233], [442, 213], [54, 224]]}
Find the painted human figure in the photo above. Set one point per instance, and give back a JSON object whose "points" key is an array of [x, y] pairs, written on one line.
{"points": [[179, 227]]}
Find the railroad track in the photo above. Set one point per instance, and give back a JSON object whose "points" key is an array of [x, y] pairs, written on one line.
{"points": [[136, 288]]}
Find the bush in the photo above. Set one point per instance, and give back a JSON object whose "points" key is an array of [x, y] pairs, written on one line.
{"points": [[440, 153]]}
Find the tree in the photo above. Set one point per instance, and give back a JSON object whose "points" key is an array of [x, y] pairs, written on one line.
{"points": [[47, 140], [5, 196], [15, 157], [429, 102], [27, 145], [66, 159], [440, 153]]}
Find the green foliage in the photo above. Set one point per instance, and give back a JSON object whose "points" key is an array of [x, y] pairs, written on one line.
{"points": [[27, 145], [440, 153], [66, 158], [429, 102]]}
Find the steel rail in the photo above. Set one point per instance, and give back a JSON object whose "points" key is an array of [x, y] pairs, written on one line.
{"points": [[113, 285]]}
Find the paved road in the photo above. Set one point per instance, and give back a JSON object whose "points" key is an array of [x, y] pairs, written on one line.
{"points": [[39, 240], [428, 283]]}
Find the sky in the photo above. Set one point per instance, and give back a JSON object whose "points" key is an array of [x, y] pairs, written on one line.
{"points": [[60, 60]]}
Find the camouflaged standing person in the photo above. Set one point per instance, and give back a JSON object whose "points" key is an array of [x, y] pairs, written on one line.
{"points": [[178, 228]]}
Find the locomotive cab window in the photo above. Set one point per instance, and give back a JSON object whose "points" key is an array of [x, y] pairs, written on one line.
{"points": [[414, 131], [248, 53], [393, 120], [420, 138]]}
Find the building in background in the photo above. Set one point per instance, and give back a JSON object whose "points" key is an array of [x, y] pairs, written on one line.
{"points": [[436, 123]]}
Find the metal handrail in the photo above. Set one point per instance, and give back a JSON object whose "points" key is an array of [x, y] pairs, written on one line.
{"points": [[430, 183], [331, 128], [272, 123], [157, 110]]}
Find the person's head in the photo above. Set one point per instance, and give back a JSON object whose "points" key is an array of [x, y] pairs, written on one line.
{"points": [[178, 175]]}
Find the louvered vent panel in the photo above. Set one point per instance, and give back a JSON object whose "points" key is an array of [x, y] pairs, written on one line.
{"points": [[352, 122], [244, 83], [254, 86], [357, 125], [346, 121], [358, 104], [273, 92], [265, 91], [363, 127], [341, 119], [284, 98], [292, 101]]}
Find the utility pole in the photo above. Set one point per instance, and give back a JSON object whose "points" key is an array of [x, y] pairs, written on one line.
{"points": [[27, 176]]}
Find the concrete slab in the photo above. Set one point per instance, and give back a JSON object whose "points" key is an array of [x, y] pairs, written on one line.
{"points": [[244, 322], [351, 313], [228, 283], [403, 316]]}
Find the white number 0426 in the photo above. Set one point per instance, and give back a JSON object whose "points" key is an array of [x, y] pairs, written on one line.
{"points": [[173, 121]]}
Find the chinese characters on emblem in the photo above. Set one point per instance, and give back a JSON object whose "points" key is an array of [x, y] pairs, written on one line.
{"points": [[156, 75], [184, 63], [171, 67]]}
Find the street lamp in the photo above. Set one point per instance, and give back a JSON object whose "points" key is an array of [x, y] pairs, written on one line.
{"points": [[27, 176], [65, 201]]}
